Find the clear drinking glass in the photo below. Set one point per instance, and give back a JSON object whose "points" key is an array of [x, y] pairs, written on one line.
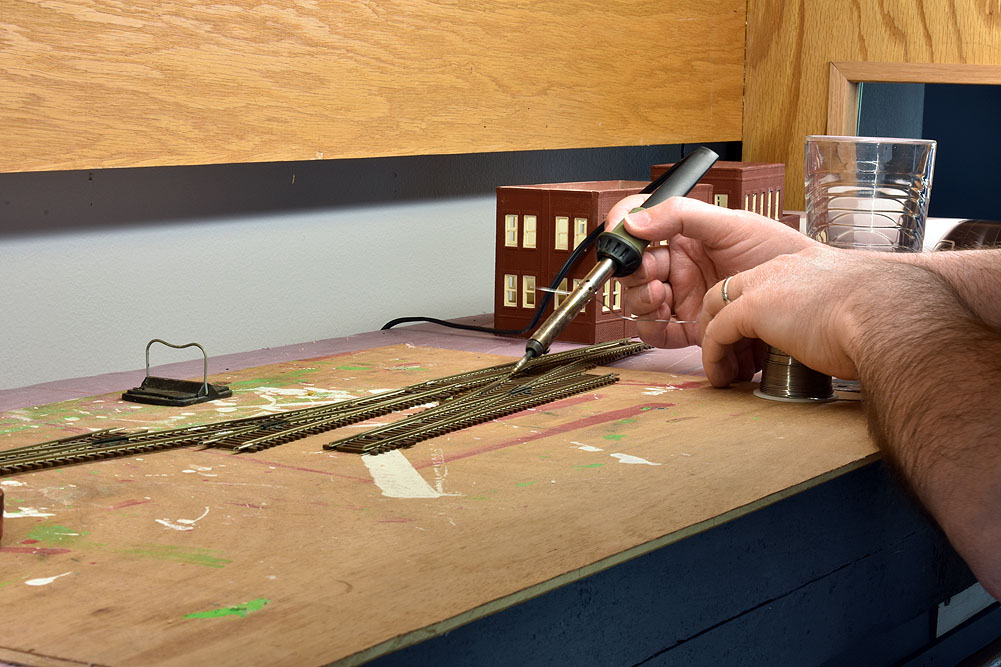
{"points": [[868, 192]]}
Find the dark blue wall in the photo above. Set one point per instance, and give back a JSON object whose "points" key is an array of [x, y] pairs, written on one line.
{"points": [[966, 122]]}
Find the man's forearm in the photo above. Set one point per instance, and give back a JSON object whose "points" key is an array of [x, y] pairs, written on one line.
{"points": [[975, 275], [930, 372]]}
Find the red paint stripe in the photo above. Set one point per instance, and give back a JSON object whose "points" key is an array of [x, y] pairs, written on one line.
{"points": [[128, 503], [673, 385], [33, 550], [244, 457], [586, 422]]}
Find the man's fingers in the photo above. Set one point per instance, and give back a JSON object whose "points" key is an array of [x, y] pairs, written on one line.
{"points": [[681, 215], [654, 265], [717, 297], [646, 298], [621, 210], [730, 325]]}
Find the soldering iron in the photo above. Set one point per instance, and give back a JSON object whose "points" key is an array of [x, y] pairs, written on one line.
{"points": [[619, 253]]}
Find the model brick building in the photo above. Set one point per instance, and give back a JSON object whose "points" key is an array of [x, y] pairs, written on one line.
{"points": [[752, 186], [538, 226]]}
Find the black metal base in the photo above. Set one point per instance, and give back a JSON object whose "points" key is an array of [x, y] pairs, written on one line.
{"points": [[168, 391]]}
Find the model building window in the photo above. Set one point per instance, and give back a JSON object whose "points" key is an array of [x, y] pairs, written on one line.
{"points": [[617, 295], [528, 291], [510, 289], [721, 200], [528, 240], [560, 293], [511, 231], [606, 301], [562, 232], [579, 231]]}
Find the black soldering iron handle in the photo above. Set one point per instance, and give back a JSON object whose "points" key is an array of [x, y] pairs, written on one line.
{"points": [[624, 249]]}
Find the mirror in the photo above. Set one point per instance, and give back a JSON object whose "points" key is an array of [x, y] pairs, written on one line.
{"points": [[954, 104]]}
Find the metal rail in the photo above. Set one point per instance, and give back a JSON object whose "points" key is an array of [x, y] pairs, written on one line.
{"points": [[457, 401]]}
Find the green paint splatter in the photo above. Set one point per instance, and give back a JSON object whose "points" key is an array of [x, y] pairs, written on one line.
{"points": [[525, 483], [354, 368], [240, 610], [478, 498], [54, 534], [3, 583], [591, 465], [177, 554], [279, 380], [625, 421], [613, 436], [13, 429]]}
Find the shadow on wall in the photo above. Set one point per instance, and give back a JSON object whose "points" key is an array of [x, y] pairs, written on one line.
{"points": [[48, 202]]}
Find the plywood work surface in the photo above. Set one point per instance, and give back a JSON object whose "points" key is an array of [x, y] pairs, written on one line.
{"points": [[296, 555]]}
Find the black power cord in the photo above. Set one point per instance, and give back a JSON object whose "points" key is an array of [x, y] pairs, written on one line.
{"points": [[572, 260]]}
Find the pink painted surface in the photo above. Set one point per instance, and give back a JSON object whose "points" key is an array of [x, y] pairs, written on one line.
{"points": [[684, 361]]}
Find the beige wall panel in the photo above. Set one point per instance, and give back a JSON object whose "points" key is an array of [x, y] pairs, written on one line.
{"points": [[102, 83], [790, 46]]}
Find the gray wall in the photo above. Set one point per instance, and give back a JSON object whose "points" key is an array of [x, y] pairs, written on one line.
{"points": [[242, 257]]}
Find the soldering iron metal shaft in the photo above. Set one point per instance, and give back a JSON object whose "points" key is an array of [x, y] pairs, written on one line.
{"points": [[619, 253]]}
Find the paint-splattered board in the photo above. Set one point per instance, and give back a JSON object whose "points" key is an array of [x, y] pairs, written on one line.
{"points": [[296, 555]]}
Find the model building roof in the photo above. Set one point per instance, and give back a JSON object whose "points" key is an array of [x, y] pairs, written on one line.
{"points": [[584, 186]]}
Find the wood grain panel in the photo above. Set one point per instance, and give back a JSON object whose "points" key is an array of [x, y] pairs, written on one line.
{"points": [[791, 45], [101, 83]]}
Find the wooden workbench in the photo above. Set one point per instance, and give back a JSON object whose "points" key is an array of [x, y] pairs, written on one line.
{"points": [[296, 555]]}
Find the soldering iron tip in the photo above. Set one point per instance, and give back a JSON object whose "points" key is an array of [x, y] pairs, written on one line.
{"points": [[518, 367]]}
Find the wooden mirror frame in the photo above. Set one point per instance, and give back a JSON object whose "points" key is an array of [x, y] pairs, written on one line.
{"points": [[843, 96]]}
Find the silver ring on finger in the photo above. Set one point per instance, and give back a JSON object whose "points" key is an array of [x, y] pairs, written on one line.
{"points": [[726, 297]]}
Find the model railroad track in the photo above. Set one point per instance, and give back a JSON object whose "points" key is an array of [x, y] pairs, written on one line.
{"points": [[457, 401], [500, 400]]}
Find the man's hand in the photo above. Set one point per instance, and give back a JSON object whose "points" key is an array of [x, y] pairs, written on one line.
{"points": [[706, 244], [806, 304]]}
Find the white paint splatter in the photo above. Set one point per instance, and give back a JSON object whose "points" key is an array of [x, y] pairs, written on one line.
{"points": [[586, 448], [396, 477], [635, 460], [201, 470], [182, 524], [24, 512], [45, 581], [440, 472], [12, 482], [658, 391]]}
